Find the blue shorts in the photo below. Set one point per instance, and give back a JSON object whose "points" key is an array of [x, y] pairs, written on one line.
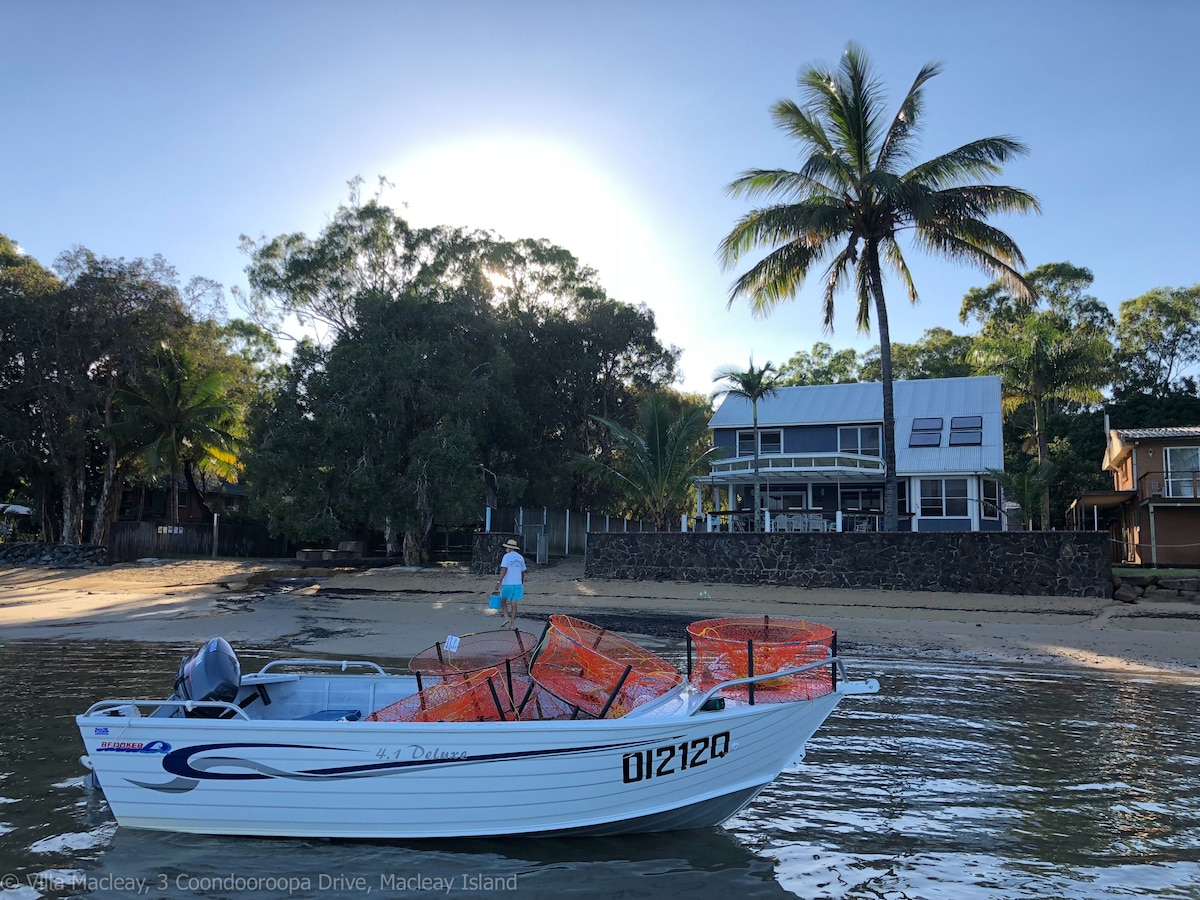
{"points": [[512, 592]]}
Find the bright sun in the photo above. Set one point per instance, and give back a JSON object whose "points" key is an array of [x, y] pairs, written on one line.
{"points": [[519, 188], [524, 188]]}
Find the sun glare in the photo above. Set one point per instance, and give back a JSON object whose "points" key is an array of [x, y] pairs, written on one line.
{"points": [[525, 188]]}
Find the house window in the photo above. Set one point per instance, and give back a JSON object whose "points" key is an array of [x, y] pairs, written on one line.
{"points": [[768, 442], [926, 432], [990, 497], [966, 431], [860, 439], [944, 498], [1182, 466]]}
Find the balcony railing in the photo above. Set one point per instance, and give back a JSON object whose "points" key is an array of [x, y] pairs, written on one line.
{"points": [[1169, 485], [797, 462]]}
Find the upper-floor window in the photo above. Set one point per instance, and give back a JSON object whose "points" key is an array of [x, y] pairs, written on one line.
{"points": [[926, 432], [966, 431], [770, 440], [1183, 463], [860, 439]]}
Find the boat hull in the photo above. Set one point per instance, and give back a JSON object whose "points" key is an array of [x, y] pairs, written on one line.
{"points": [[419, 780]]}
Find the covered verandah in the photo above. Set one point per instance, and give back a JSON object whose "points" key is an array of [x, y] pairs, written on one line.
{"points": [[800, 492]]}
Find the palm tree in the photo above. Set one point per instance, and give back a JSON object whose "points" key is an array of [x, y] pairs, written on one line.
{"points": [[753, 385], [181, 422], [654, 467], [1038, 360], [853, 195], [1027, 488]]}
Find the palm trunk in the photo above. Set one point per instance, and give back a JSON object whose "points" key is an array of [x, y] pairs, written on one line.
{"points": [[757, 498], [891, 514], [1039, 426]]}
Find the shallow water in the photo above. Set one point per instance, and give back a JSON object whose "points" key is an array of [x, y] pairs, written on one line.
{"points": [[955, 782]]}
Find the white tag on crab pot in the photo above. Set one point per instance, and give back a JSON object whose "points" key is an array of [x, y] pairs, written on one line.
{"points": [[451, 643]]}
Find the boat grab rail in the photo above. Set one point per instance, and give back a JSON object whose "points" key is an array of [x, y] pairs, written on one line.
{"points": [[103, 707], [342, 664], [845, 685]]}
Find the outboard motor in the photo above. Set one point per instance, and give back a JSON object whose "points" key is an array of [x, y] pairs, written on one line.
{"points": [[211, 673]]}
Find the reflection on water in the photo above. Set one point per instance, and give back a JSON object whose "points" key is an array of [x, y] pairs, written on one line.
{"points": [[954, 782], [964, 783]]}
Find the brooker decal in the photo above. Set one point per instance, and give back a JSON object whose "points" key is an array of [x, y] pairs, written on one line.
{"points": [[133, 747]]}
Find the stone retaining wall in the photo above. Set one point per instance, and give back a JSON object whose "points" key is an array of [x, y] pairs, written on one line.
{"points": [[1059, 563], [57, 556], [488, 550]]}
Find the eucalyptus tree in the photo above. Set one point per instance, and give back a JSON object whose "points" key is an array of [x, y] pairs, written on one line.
{"points": [[938, 353], [856, 191], [752, 384], [821, 365], [653, 466], [1158, 339], [80, 342], [1061, 288]]}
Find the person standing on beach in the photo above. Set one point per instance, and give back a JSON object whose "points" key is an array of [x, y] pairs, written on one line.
{"points": [[512, 582]]}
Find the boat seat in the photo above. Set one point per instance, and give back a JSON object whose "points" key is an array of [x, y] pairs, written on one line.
{"points": [[333, 715]]}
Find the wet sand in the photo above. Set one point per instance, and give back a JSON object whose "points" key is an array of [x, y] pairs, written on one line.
{"points": [[397, 612]]}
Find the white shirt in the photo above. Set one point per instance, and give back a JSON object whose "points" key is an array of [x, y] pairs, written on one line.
{"points": [[514, 566]]}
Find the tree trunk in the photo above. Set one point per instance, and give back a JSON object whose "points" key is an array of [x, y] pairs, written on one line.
{"points": [[108, 486], [193, 488], [1039, 425], [412, 548], [891, 514], [108, 495], [74, 487], [757, 496], [391, 539]]}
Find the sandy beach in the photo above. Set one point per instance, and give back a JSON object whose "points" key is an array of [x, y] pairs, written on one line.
{"points": [[396, 612]]}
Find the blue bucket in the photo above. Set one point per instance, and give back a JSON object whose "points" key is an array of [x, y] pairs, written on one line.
{"points": [[494, 601]]}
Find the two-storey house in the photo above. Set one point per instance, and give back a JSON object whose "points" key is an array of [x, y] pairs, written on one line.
{"points": [[1155, 501], [820, 457]]}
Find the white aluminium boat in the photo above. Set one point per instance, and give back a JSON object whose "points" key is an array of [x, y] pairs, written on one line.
{"points": [[588, 734]]}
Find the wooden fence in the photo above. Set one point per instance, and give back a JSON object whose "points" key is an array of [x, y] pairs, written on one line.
{"points": [[135, 540]]}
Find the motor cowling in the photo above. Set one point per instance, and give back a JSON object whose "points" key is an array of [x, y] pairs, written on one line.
{"points": [[211, 673]]}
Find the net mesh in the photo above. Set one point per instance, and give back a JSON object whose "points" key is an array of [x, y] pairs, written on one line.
{"points": [[506, 649], [535, 703], [480, 696], [738, 647], [599, 673]]}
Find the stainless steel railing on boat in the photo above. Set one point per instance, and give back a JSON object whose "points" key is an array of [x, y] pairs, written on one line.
{"points": [[843, 683], [115, 707], [342, 664]]}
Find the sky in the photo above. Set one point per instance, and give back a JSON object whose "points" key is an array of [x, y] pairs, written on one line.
{"points": [[611, 128]]}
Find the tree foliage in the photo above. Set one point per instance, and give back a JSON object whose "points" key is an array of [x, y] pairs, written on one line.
{"points": [[653, 465], [452, 368], [1158, 339], [1051, 350]]}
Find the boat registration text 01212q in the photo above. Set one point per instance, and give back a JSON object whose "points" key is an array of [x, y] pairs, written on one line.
{"points": [[667, 759]]}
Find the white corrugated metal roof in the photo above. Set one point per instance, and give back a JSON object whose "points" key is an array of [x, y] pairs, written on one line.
{"points": [[862, 403]]}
